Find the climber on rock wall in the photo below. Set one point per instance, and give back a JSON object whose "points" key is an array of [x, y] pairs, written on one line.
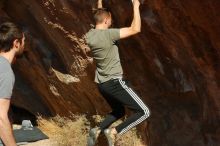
{"points": [[109, 75], [11, 45]]}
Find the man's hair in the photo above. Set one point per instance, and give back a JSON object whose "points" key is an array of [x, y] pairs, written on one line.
{"points": [[8, 33], [101, 14]]}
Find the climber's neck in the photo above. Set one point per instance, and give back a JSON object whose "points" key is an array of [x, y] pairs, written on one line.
{"points": [[101, 26]]}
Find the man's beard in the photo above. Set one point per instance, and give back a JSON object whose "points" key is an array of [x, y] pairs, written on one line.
{"points": [[20, 54]]}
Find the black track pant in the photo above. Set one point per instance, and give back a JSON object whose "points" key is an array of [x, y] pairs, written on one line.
{"points": [[118, 95]]}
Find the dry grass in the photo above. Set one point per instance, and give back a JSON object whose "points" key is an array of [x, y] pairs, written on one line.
{"points": [[73, 131], [66, 131], [131, 138]]}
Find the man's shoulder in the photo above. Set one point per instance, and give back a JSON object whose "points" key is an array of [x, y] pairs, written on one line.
{"points": [[7, 73], [7, 79], [89, 34], [6, 69]]}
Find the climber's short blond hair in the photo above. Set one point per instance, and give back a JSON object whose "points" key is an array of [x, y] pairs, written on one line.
{"points": [[100, 15]]}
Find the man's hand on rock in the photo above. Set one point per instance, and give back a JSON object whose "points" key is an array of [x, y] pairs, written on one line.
{"points": [[136, 2]]}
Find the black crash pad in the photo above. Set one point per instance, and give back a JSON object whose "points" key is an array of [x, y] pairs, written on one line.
{"points": [[33, 135]]}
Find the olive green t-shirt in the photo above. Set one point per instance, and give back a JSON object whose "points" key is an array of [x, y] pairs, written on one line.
{"points": [[105, 52]]}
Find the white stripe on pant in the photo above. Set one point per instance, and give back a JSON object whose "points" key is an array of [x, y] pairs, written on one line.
{"points": [[140, 103]]}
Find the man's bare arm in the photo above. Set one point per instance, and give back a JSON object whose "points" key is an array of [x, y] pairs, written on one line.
{"points": [[136, 23], [6, 133], [100, 4]]}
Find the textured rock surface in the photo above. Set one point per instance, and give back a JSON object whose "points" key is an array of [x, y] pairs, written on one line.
{"points": [[174, 64]]}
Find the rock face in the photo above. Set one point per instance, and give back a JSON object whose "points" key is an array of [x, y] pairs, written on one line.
{"points": [[173, 64]]}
